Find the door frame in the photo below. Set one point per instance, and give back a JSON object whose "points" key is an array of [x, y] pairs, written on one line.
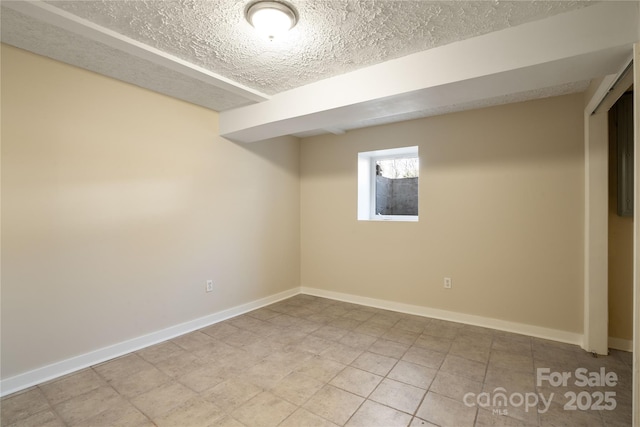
{"points": [[600, 100]]}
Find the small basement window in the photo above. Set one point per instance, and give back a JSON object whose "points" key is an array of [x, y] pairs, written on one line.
{"points": [[388, 184]]}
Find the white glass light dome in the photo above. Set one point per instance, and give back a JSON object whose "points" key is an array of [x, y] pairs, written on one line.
{"points": [[271, 18]]}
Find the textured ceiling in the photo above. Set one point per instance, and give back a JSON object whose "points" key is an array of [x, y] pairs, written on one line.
{"points": [[205, 52], [331, 38]]}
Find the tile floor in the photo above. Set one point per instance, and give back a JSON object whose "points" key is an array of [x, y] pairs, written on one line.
{"points": [[308, 361]]}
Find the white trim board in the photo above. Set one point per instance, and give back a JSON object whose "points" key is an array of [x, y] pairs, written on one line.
{"points": [[67, 366], [73, 364], [469, 319], [620, 344]]}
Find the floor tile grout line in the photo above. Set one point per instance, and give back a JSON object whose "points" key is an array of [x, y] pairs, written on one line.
{"points": [[486, 368], [367, 398], [363, 351], [398, 361], [50, 405], [492, 352], [328, 383]]}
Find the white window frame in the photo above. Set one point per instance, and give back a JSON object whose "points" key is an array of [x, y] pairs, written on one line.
{"points": [[367, 182]]}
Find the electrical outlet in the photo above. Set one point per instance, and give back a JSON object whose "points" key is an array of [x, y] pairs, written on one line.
{"points": [[447, 282], [209, 285]]}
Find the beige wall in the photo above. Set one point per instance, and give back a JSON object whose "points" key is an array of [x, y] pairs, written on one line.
{"points": [[501, 212], [118, 203], [620, 255]]}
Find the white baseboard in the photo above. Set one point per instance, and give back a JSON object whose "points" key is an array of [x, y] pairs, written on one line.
{"points": [[620, 344], [67, 366], [469, 319]]}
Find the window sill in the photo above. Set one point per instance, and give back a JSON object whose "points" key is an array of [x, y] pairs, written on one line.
{"points": [[392, 218]]}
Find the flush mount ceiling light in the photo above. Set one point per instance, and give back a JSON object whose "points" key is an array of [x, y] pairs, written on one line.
{"points": [[271, 18]]}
